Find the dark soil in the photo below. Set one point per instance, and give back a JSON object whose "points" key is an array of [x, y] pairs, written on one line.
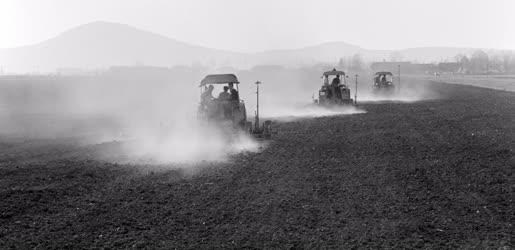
{"points": [[429, 174]]}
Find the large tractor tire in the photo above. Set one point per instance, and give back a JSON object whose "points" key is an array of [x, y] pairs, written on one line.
{"points": [[239, 116], [267, 129]]}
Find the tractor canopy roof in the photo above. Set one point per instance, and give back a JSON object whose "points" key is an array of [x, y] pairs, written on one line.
{"points": [[384, 73], [334, 72], [219, 79]]}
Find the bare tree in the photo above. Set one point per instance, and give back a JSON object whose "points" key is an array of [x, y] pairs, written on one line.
{"points": [[357, 63], [479, 62], [507, 57], [341, 63]]}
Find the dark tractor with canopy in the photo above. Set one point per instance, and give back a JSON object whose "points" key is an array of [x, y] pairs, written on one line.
{"points": [[227, 107], [383, 82], [334, 90]]}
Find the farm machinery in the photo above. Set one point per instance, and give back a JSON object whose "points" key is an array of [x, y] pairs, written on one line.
{"points": [[383, 83], [228, 110], [334, 90]]}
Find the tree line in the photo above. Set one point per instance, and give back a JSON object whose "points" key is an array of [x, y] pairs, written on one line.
{"points": [[479, 62]]}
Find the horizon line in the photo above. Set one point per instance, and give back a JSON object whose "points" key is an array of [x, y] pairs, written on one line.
{"points": [[248, 52]]}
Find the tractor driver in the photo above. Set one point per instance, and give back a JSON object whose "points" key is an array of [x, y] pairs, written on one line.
{"points": [[335, 84], [224, 95], [223, 101], [234, 93], [336, 81], [207, 102], [207, 96], [383, 79]]}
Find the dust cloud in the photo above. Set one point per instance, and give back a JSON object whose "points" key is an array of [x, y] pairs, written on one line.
{"points": [[187, 143], [410, 90], [290, 112], [150, 113], [287, 94]]}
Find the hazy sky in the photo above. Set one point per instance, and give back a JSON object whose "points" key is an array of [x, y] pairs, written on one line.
{"points": [[253, 25]]}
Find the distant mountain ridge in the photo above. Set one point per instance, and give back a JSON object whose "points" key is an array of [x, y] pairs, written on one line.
{"points": [[104, 44]]}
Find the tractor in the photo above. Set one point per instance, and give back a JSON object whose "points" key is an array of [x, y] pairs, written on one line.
{"points": [[335, 90], [228, 110], [383, 82]]}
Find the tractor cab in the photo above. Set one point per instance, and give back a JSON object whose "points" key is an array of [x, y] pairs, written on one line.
{"points": [[224, 104], [383, 80], [227, 107], [334, 89]]}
